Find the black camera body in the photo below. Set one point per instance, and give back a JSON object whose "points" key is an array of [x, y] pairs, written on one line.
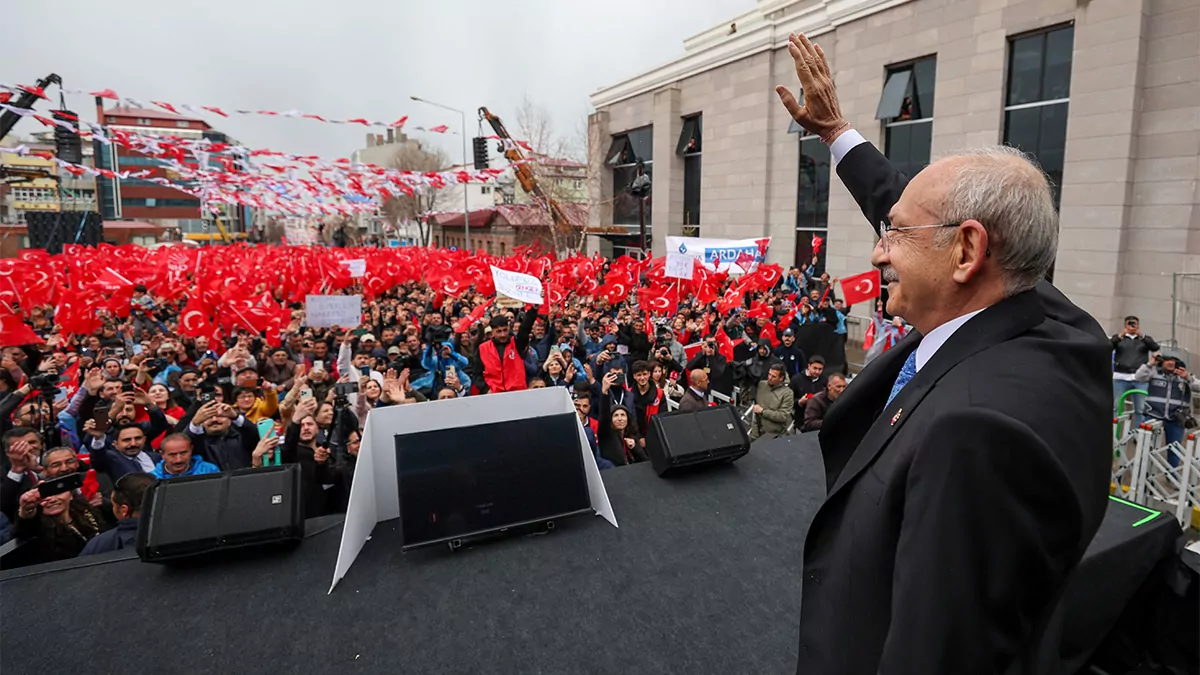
{"points": [[437, 334], [45, 382]]}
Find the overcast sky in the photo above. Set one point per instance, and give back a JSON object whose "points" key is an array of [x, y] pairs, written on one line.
{"points": [[348, 58]]}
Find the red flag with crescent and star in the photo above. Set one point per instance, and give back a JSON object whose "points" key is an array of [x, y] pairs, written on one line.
{"points": [[860, 287]]}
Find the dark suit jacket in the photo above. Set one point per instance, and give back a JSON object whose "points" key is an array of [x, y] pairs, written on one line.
{"points": [[955, 513], [691, 401]]}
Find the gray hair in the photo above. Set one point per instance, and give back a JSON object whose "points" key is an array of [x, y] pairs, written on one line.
{"points": [[1005, 190]]}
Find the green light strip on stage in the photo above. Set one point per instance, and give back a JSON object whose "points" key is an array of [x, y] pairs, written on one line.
{"points": [[1153, 514]]}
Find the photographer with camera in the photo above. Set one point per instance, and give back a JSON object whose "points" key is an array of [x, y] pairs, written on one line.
{"points": [[441, 361], [1169, 389], [1131, 349]]}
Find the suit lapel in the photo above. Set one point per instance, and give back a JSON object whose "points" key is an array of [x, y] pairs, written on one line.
{"points": [[851, 416], [998, 323], [865, 386]]}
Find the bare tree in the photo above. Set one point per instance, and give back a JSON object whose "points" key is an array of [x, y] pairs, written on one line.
{"points": [[551, 154], [402, 208]]}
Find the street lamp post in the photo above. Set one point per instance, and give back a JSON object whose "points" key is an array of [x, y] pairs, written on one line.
{"points": [[466, 202]]}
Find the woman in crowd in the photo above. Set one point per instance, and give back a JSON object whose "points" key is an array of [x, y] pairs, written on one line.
{"points": [[617, 437], [58, 526], [658, 375]]}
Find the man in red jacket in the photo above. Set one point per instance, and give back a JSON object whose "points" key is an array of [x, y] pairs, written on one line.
{"points": [[501, 359]]}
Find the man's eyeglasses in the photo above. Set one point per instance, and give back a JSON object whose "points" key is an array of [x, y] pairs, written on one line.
{"points": [[886, 229], [885, 225]]}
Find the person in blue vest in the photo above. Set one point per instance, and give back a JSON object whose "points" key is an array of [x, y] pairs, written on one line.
{"points": [[1169, 388]]}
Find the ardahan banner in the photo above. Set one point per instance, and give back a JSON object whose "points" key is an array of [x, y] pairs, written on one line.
{"points": [[736, 256]]}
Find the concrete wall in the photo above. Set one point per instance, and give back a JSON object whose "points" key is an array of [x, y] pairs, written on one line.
{"points": [[1130, 212]]}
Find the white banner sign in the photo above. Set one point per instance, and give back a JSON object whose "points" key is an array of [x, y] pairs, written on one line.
{"points": [[323, 311], [722, 254], [358, 268], [679, 266], [300, 232], [518, 286]]}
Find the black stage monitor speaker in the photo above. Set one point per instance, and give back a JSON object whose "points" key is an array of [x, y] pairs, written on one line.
{"points": [[460, 483], [681, 439], [199, 515]]}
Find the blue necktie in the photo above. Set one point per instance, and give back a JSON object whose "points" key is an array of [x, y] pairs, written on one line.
{"points": [[907, 372]]}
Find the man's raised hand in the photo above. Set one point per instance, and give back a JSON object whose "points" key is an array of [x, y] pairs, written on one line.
{"points": [[821, 114]]}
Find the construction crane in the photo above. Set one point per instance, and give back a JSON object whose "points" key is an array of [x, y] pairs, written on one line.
{"points": [[525, 174], [8, 119]]}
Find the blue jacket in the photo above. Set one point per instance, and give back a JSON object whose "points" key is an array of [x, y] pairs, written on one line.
{"points": [[124, 535], [432, 362], [198, 467]]}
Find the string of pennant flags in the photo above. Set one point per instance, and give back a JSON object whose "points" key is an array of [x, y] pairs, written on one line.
{"points": [[181, 108], [298, 195], [232, 174]]}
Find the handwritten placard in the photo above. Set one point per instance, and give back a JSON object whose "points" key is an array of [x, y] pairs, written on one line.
{"points": [[679, 266], [323, 311], [517, 286]]}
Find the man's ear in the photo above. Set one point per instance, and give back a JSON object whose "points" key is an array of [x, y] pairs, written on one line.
{"points": [[971, 250]]}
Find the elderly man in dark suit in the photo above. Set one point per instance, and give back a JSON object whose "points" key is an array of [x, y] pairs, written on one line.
{"points": [[959, 496], [696, 396]]}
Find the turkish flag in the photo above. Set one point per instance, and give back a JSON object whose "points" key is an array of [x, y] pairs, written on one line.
{"points": [[860, 287]]}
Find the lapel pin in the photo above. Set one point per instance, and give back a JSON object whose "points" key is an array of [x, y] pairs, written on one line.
{"points": [[896, 416]]}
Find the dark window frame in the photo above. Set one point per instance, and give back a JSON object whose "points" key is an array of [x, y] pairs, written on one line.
{"points": [[623, 160], [912, 127], [691, 148], [812, 216], [1046, 112]]}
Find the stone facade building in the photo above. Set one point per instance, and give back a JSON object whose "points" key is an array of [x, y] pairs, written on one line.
{"points": [[1106, 94]]}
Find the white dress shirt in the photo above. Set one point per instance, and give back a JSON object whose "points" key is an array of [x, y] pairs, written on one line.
{"points": [[844, 144], [938, 337]]}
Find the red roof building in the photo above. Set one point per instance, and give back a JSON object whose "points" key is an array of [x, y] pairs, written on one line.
{"points": [[501, 228]]}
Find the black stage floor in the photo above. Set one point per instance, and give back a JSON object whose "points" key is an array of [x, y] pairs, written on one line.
{"points": [[701, 577]]}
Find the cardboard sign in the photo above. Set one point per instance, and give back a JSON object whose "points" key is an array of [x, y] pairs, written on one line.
{"points": [[679, 266], [323, 311], [358, 268], [520, 287]]}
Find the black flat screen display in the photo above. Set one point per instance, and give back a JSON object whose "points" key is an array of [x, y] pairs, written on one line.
{"points": [[469, 480]]}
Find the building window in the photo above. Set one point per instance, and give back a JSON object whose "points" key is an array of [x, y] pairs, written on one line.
{"points": [[143, 239], [689, 148], [812, 201], [26, 242], [906, 109], [1039, 88], [182, 124], [484, 190], [629, 151], [143, 120]]}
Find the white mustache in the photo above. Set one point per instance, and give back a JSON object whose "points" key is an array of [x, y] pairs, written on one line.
{"points": [[889, 275]]}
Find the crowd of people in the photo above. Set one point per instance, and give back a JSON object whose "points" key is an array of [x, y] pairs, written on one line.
{"points": [[140, 400]]}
